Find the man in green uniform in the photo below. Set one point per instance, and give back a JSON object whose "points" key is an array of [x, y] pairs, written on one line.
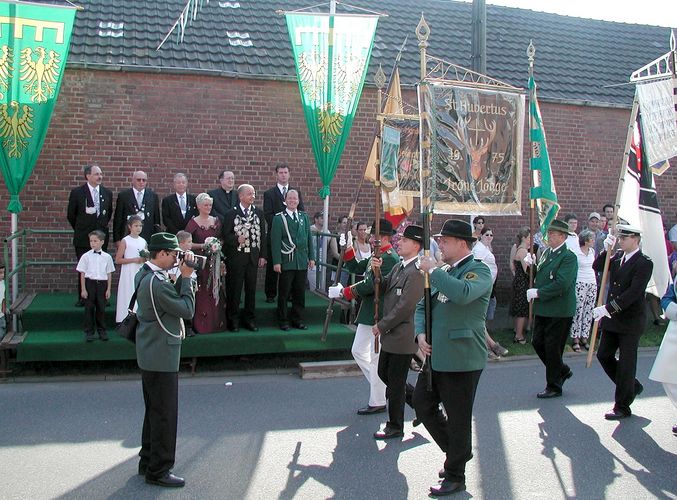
{"points": [[554, 296], [363, 345], [460, 296], [162, 306], [291, 250]]}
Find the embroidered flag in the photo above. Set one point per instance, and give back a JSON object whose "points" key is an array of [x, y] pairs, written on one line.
{"points": [[34, 42], [331, 53], [639, 207], [543, 190]]}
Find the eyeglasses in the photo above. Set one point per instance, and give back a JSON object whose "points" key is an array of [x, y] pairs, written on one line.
{"points": [[488, 234]]}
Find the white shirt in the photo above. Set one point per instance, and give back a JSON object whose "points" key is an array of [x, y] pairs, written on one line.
{"points": [[96, 266], [292, 214], [138, 195], [482, 252], [585, 272], [572, 244], [406, 262], [628, 255], [282, 188]]}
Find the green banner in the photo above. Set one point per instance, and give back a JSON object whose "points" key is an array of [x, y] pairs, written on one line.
{"points": [[331, 53], [543, 190], [34, 41]]}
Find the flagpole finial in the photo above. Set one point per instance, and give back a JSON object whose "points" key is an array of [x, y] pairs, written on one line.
{"points": [[380, 78], [531, 52], [422, 32]]}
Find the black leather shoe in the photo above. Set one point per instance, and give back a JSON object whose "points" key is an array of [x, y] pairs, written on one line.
{"points": [[567, 376], [190, 333], [447, 487], [80, 303], [251, 326], [270, 300], [103, 336], [89, 337], [616, 415], [169, 480], [299, 326], [370, 410], [234, 328], [549, 393], [284, 328], [388, 433]]}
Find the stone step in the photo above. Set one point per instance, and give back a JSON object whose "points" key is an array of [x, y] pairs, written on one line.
{"points": [[329, 369]]}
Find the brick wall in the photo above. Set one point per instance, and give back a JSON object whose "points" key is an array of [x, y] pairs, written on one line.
{"points": [[165, 123]]}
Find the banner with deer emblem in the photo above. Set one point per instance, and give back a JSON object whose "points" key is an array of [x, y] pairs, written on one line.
{"points": [[332, 54], [34, 42], [476, 156]]}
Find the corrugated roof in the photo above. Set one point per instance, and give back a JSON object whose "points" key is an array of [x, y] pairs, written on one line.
{"points": [[576, 59]]}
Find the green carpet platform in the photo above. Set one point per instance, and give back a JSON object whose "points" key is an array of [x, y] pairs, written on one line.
{"points": [[53, 328]]}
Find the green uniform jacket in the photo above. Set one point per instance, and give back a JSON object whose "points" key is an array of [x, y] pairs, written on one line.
{"points": [[301, 236], [460, 297], [156, 350], [555, 280], [365, 288]]}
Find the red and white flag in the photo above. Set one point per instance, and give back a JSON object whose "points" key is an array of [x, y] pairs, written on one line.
{"points": [[639, 207]]}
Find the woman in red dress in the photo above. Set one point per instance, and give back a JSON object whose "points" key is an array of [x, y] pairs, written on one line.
{"points": [[210, 308]]}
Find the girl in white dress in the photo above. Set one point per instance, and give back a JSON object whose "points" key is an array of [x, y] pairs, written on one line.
{"points": [[128, 257]]}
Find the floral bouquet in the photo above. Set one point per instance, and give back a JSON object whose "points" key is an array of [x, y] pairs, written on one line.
{"points": [[212, 250], [211, 246]]}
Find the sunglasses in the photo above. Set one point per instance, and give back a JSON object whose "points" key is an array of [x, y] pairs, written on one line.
{"points": [[488, 234]]}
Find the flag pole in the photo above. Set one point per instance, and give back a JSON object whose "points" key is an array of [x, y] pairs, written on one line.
{"points": [[621, 181], [531, 52], [380, 80], [422, 33]]}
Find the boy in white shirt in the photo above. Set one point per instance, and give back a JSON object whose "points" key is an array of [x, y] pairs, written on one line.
{"points": [[96, 269]]}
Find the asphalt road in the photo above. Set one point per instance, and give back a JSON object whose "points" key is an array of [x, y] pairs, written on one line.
{"points": [[280, 437]]}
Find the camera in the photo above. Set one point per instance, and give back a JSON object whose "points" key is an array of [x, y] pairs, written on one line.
{"points": [[198, 264]]}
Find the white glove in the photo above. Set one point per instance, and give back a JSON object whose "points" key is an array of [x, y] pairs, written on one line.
{"points": [[532, 294], [599, 312], [609, 242], [334, 292], [529, 259], [349, 243]]}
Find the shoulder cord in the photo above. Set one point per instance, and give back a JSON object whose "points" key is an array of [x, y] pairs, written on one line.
{"points": [[152, 299], [287, 249]]}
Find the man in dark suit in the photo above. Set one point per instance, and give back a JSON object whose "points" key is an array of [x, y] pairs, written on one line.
{"points": [[623, 318], [554, 296], [178, 208], [460, 290], [403, 289], [273, 203], [225, 197], [292, 256], [162, 307], [137, 200], [244, 236], [90, 207]]}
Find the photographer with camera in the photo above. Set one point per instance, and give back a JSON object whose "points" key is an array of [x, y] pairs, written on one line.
{"points": [[209, 305], [162, 306]]}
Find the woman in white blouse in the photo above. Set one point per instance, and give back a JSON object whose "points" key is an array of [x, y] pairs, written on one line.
{"points": [[586, 291]]}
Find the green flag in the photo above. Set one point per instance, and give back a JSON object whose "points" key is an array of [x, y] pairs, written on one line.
{"points": [[34, 41], [543, 190], [331, 53]]}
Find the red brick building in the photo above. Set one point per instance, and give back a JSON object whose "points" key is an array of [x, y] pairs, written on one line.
{"points": [[216, 102]]}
